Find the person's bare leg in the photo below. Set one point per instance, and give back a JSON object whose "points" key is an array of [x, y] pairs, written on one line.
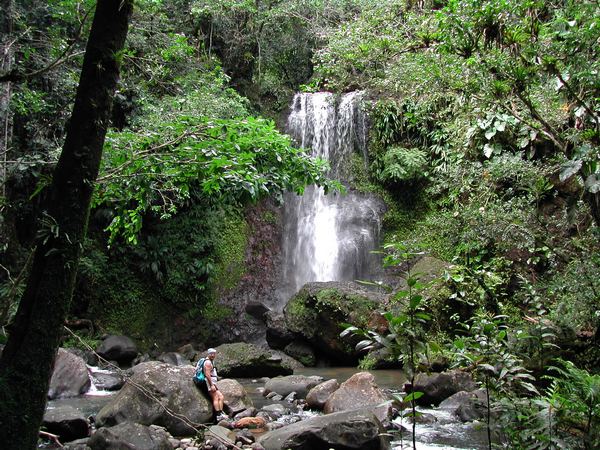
{"points": [[220, 399], [215, 400]]}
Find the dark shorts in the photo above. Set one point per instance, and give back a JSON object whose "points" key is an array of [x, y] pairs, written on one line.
{"points": [[204, 387]]}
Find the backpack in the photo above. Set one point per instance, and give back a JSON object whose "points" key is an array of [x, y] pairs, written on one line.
{"points": [[199, 376]]}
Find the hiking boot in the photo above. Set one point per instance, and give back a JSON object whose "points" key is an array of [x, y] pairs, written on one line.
{"points": [[222, 416]]}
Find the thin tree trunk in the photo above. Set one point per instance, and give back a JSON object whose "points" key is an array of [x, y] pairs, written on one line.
{"points": [[6, 60], [27, 361]]}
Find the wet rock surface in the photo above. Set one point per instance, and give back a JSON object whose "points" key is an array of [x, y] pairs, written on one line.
{"points": [[241, 360], [437, 387], [344, 430], [118, 348], [67, 422], [70, 376], [300, 384], [358, 391], [152, 385]]}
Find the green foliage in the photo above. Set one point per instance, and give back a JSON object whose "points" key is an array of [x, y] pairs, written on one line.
{"points": [[578, 394], [226, 161], [405, 340], [403, 165], [486, 348], [81, 341]]}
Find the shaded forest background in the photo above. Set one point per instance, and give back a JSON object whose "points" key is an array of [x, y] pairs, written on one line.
{"points": [[485, 128]]}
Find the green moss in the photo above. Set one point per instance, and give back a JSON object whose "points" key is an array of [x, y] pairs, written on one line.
{"points": [[214, 312], [230, 252], [269, 217], [298, 313]]}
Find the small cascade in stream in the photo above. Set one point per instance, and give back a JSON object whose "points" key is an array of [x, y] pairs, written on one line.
{"points": [[329, 237]]}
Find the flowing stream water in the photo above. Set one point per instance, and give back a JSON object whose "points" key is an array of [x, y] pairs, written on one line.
{"points": [[330, 237]]}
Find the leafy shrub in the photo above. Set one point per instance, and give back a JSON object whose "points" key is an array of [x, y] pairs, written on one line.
{"points": [[403, 165]]}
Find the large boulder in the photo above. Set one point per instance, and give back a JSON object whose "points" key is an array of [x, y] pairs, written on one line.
{"points": [[153, 387], [128, 435], [300, 384], [236, 397], [316, 312], [343, 431], [317, 396], [357, 391], [118, 348], [467, 406], [437, 387], [70, 376], [65, 421], [241, 360]]}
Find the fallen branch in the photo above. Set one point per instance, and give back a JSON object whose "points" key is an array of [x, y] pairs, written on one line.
{"points": [[50, 437]]}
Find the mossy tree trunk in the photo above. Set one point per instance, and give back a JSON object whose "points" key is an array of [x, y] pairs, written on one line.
{"points": [[28, 359]]}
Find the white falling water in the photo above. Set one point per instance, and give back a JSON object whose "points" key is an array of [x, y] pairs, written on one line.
{"points": [[329, 237]]}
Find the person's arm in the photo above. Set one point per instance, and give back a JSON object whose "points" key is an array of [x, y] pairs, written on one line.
{"points": [[207, 371]]}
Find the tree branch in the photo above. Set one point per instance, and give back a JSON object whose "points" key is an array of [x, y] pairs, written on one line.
{"points": [[15, 77]]}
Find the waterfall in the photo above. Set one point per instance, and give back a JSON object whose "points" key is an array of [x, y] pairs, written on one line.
{"points": [[329, 237]]}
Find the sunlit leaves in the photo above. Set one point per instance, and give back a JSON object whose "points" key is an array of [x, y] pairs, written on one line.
{"points": [[225, 161]]}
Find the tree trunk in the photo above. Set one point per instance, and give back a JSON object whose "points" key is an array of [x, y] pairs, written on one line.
{"points": [[6, 60], [7, 234], [27, 361]]}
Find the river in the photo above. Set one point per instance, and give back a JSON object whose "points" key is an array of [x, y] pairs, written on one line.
{"points": [[445, 434]]}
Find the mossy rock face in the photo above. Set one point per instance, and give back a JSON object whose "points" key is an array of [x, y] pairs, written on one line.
{"points": [[246, 360], [428, 267], [318, 310]]}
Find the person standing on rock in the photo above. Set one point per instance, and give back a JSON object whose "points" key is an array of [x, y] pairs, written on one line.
{"points": [[210, 387]]}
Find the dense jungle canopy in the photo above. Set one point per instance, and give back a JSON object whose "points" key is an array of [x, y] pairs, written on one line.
{"points": [[484, 143]]}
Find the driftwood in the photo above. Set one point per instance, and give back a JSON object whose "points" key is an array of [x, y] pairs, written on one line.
{"points": [[50, 437]]}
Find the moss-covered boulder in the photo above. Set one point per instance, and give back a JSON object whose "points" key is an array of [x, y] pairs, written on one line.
{"points": [[317, 312], [246, 360]]}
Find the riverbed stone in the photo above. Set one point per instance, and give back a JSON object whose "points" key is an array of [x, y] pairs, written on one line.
{"points": [[67, 422], [77, 444], [344, 430], [357, 391], [468, 406], [108, 381], [242, 360], [118, 348], [316, 312], [318, 395], [154, 383], [300, 384], [437, 387], [70, 376], [129, 435], [221, 433]]}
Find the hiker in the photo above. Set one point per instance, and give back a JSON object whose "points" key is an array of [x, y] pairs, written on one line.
{"points": [[206, 379]]}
